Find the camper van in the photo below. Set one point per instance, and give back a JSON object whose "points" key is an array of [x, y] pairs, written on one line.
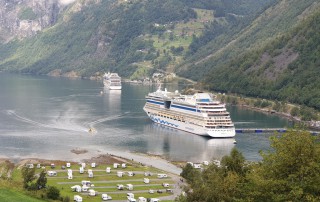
{"points": [[76, 188], [108, 170], [119, 174], [130, 195], [68, 165], [130, 174], [197, 165], [124, 165], [129, 187], [115, 165], [165, 184], [70, 176], [120, 186], [85, 182], [92, 192], [52, 173], [90, 173], [84, 188], [146, 180], [142, 199], [77, 198], [106, 197], [154, 200], [162, 175], [93, 165], [81, 170]]}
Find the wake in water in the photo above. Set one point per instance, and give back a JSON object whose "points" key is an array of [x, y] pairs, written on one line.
{"points": [[51, 126], [63, 122]]}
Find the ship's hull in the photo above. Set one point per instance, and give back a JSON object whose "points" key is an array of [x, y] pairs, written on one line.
{"points": [[112, 87], [195, 129]]}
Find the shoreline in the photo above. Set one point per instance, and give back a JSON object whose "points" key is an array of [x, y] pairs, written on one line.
{"points": [[102, 157]]}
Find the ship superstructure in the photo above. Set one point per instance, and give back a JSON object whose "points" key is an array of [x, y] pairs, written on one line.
{"points": [[199, 113], [112, 81]]}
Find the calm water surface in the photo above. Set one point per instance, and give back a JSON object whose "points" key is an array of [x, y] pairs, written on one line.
{"points": [[44, 116]]}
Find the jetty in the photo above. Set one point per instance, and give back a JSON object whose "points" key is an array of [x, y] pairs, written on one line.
{"points": [[267, 130]]}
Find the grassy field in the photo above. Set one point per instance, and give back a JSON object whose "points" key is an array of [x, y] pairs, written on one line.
{"points": [[11, 188], [7, 195], [107, 182]]}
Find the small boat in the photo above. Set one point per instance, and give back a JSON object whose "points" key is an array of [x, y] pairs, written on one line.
{"points": [[92, 130]]}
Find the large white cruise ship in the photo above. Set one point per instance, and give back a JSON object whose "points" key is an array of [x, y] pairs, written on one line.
{"points": [[112, 81], [198, 113]]}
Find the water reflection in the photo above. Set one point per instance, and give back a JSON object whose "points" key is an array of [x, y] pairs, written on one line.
{"points": [[179, 145]]}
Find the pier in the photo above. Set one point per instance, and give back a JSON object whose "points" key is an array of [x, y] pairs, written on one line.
{"points": [[267, 130], [260, 130]]}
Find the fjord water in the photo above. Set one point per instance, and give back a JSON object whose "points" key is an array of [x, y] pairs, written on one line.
{"points": [[47, 117]]}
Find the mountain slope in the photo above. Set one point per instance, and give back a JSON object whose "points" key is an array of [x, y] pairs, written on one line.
{"points": [[275, 20], [130, 37], [286, 69]]}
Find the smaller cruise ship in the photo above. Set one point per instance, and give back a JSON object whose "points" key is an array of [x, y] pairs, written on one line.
{"points": [[199, 113], [112, 81]]}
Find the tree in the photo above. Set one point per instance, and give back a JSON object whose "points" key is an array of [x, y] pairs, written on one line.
{"points": [[53, 193], [234, 162], [42, 180], [189, 173], [28, 175], [291, 171]]}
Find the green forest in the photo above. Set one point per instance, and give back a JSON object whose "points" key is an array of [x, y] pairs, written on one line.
{"points": [[290, 171]]}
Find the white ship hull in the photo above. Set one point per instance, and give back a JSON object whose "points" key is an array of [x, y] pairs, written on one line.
{"points": [[115, 87], [195, 129]]}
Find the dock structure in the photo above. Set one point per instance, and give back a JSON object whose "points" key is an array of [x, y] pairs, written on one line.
{"points": [[260, 130], [268, 130]]}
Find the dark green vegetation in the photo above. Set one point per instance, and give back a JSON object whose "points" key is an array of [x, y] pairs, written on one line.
{"points": [[285, 69], [290, 172], [258, 48]]}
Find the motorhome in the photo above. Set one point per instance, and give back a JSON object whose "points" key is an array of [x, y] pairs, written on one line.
{"points": [[108, 170], [162, 175], [93, 165], [146, 180], [129, 187], [123, 165], [92, 192], [206, 163], [165, 185], [115, 165], [119, 174], [130, 195], [77, 198], [81, 170], [120, 186], [76, 188], [154, 200], [130, 174], [68, 165], [52, 173], [105, 197], [197, 165], [142, 199]]}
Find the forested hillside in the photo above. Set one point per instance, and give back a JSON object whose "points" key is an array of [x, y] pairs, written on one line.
{"points": [[286, 69], [214, 48], [134, 38]]}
